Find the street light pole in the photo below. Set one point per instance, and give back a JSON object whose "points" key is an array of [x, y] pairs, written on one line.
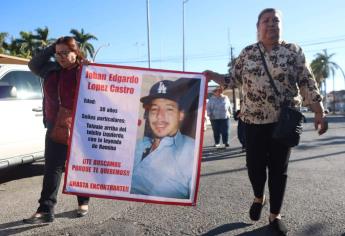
{"points": [[148, 32], [183, 54], [102, 46]]}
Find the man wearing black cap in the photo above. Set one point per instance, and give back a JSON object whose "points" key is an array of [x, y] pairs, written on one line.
{"points": [[163, 163]]}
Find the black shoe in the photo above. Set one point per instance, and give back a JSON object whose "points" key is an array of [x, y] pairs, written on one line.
{"points": [[42, 218], [278, 226], [255, 210], [227, 145], [81, 212]]}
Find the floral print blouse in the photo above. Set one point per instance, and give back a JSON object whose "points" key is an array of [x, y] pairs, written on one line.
{"points": [[291, 75]]}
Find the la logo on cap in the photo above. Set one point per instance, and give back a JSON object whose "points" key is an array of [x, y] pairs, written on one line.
{"points": [[161, 88]]}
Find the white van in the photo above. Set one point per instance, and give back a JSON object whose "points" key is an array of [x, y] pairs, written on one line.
{"points": [[22, 132]]}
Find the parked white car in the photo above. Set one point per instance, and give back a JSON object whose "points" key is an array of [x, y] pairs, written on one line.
{"points": [[22, 132]]}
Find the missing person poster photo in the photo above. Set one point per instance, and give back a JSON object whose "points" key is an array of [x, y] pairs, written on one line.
{"points": [[137, 135]]}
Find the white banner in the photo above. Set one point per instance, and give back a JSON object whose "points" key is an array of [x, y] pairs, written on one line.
{"points": [[136, 135]]}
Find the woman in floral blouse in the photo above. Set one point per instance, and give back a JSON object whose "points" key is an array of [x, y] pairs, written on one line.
{"points": [[261, 107]]}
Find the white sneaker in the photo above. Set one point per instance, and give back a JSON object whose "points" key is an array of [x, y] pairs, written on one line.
{"points": [[216, 145]]}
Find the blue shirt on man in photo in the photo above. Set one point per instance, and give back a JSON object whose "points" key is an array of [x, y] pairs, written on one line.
{"points": [[166, 171]]}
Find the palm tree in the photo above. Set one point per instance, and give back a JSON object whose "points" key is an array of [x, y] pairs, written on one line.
{"points": [[27, 43], [323, 67], [3, 36], [318, 70], [14, 48], [82, 38], [42, 40]]}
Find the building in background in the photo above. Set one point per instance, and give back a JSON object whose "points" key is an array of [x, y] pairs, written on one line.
{"points": [[336, 101]]}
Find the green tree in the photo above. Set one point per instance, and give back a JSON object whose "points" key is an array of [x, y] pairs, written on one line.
{"points": [[3, 36], [83, 39], [323, 67], [14, 48], [27, 43], [42, 39]]}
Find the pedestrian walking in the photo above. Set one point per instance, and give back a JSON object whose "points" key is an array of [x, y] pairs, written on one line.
{"points": [[59, 85], [293, 79], [219, 111]]}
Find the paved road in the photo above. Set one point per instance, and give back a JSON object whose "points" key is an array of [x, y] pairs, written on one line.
{"points": [[314, 202]]}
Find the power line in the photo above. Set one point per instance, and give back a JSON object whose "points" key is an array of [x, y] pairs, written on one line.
{"points": [[172, 58], [322, 39], [315, 50], [216, 56], [324, 42]]}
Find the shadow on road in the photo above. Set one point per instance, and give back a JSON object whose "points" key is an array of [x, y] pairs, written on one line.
{"points": [[223, 172], [17, 227], [314, 229], [226, 228], [67, 214], [23, 171], [330, 140], [262, 231], [318, 156], [215, 154], [12, 228], [330, 118], [291, 161]]}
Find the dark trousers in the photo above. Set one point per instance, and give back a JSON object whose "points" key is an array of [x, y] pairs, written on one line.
{"points": [[241, 133], [55, 157], [220, 127], [263, 153]]}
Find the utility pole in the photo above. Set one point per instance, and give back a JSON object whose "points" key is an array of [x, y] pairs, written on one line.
{"points": [[333, 95], [231, 58], [233, 90], [148, 32], [183, 36]]}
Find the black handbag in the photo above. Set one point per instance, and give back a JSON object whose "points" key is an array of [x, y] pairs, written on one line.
{"points": [[289, 127]]}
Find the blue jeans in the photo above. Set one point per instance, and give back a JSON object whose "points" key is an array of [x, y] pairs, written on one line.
{"points": [[220, 127]]}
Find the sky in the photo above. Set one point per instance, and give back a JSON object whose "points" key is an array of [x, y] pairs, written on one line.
{"points": [[211, 28]]}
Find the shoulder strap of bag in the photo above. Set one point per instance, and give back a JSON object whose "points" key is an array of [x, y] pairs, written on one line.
{"points": [[267, 71]]}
